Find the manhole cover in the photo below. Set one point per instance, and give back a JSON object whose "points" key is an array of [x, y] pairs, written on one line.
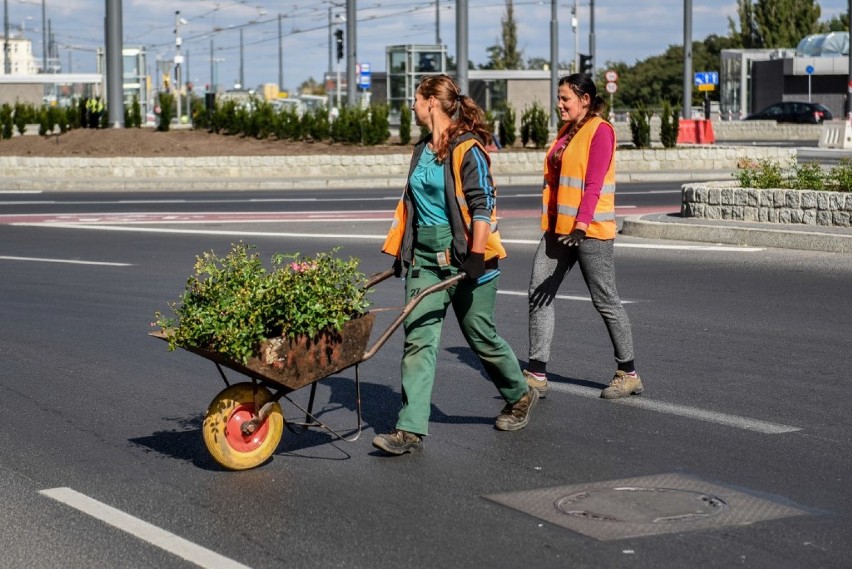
{"points": [[644, 506], [635, 504]]}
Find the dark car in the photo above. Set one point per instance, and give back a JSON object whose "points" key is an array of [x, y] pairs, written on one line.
{"points": [[793, 111]]}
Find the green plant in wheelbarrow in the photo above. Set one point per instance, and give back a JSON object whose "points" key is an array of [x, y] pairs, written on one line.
{"points": [[233, 303]]}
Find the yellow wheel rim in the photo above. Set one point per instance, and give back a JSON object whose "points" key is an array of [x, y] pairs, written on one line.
{"points": [[222, 434]]}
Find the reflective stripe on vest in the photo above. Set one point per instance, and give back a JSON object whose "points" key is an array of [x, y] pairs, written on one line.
{"points": [[493, 246], [559, 215]]}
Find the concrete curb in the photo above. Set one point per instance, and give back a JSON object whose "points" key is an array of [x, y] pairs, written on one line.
{"points": [[731, 233]]}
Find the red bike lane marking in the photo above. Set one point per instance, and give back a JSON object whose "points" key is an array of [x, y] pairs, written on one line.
{"points": [[279, 216]]}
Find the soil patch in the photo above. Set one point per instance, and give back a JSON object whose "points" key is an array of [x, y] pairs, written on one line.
{"points": [[147, 142]]}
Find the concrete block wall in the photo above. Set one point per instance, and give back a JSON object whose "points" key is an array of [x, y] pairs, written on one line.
{"points": [[736, 131], [234, 172], [723, 200]]}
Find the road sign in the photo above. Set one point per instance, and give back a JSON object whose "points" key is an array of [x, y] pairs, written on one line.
{"points": [[706, 87], [364, 76], [611, 87], [706, 78], [611, 75], [809, 69]]}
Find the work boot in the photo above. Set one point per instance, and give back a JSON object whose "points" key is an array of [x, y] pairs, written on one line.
{"points": [[398, 442], [623, 385], [535, 382], [515, 416]]}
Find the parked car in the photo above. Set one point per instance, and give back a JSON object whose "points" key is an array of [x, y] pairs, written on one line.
{"points": [[793, 111]]}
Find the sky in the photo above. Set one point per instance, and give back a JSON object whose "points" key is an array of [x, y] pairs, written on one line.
{"points": [[626, 31]]}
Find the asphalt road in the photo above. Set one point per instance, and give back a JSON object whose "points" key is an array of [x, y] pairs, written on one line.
{"points": [[744, 354]]}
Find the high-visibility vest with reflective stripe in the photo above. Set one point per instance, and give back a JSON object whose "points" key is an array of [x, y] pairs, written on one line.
{"points": [[564, 206], [493, 247]]}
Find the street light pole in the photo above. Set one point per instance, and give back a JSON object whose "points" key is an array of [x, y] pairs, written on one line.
{"points": [[7, 64], [178, 61], [554, 62], [280, 56], [687, 59], [43, 38]]}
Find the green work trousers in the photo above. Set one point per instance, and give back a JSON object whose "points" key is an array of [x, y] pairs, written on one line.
{"points": [[474, 308]]}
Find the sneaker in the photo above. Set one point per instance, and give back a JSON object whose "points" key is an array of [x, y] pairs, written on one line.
{"points": [[540, 384], [623, 385], [398, 442], [515, 416]]}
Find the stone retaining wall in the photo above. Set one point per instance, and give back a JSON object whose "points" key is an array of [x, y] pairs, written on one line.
{"points": [[737, 131], [694, 158], [721, 200]]}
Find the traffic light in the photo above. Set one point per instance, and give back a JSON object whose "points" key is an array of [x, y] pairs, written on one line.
{"points": [[586, 64], [166, 82], [338, 34]]}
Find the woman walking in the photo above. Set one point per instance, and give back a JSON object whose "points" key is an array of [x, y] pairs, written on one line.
{"points": [[446, 223], [578, 219]]}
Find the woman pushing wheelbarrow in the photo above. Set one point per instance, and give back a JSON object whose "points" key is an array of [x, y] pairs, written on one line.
{"points": [[446, 223]]}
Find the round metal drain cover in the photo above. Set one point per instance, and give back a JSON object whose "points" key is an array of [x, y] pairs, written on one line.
{"points": [[640, 505]]}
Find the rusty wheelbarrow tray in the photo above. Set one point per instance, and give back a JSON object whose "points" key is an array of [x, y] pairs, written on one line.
{"points": [[244, 422]]}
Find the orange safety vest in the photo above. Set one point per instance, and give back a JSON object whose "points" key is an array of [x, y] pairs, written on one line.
{"points": [[564, 205], [493, 246]]}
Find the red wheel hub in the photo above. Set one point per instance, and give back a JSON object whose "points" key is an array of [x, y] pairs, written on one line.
{"points": [[233, 434]]}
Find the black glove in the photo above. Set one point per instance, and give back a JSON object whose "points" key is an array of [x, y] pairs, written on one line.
{"points": [[473, 266], [397, 267], [573, 239]]}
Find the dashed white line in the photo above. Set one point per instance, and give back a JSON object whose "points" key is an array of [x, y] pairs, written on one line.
{"points": [[143, 530], [725, 419], [68, 261]]}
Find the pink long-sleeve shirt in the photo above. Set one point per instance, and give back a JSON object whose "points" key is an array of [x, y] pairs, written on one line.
{"points": [[600, 157]]}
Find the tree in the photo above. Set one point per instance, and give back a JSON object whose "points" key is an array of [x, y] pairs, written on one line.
{"points": [[837, 24], [660, 77], [775, 23], [311, 87], [506, 56]]}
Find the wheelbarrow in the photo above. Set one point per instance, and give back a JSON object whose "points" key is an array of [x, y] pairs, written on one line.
{"points": [[244, 423]]}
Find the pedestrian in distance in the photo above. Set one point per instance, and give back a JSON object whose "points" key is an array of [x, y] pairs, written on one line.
{"points": [[578, 220], [445, 223]]}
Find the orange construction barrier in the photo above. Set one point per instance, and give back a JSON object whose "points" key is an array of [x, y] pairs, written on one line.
{"points": [[695, 131]]}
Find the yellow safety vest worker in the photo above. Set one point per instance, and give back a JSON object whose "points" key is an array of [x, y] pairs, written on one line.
{"points": [[564, 205], [493, 247]]}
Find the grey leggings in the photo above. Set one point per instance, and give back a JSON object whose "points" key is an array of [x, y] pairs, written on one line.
{"points": [[552, 262]]}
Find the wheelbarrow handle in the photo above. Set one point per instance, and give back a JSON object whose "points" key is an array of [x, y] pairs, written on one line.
{"points": [[408, 308]]}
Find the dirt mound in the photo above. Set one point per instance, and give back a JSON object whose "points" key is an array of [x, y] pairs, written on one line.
{"points": [[147, 142]]}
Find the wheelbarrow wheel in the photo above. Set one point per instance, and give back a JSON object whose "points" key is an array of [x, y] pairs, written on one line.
{"points": [[223, 431]]}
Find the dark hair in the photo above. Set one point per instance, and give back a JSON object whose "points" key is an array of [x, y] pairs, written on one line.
{"points": [[464, 112], [582, 84]]}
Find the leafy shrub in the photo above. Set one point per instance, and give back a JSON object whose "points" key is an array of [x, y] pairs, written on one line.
{"points": [[6, 121], [640, 127], [379, 125], [23, 115], [507, 132], [534, 122], [231, 304], [766, 173], [405, 125], [669, 125], [167, 111]]}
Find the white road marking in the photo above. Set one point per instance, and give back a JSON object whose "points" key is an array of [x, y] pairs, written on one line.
{"points": [[642, 402], [143, 530], [731, 249], [559, 296], [68, 261]]}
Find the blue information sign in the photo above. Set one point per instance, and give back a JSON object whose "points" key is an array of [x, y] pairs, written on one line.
{"points": [[706, 77], [364, 78]]}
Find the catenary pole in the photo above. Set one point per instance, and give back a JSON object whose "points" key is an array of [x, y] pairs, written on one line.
{"points": [[114, 70], [554, 62], [687, 59], [351, 53], [461, 46]]}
